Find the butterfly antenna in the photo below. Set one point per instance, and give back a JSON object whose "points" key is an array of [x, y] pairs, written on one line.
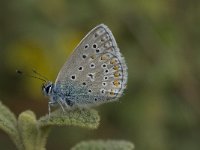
{"points": [[37, 73], [31, 76]]}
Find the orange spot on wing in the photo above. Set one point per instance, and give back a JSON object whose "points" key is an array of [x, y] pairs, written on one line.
{"points": [[112, 93], [116, 74], [116, 83], [116, 67]]}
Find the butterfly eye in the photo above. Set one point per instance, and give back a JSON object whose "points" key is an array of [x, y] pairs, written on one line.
{"points": [[48, 88]]}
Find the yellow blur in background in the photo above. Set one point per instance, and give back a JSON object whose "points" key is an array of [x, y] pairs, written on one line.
{"points": [[160, 110]]}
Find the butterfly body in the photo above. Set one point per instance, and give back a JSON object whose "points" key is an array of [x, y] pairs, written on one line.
{"points": [[95, 73]]}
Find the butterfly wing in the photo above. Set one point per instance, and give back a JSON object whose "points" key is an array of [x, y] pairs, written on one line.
{"points": [[96, 71]]}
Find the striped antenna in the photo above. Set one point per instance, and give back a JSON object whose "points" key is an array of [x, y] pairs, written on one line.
{"points": [[31, 76]]}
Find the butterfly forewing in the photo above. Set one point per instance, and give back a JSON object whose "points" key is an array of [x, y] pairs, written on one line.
{"points": [[95, 72]]}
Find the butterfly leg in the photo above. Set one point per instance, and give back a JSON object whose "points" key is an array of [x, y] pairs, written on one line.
{"points": [[60, 103], [66, 105], [49, 108]]}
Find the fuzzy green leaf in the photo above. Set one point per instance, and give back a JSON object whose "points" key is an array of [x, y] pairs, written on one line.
{"points": [[104, 145], [8, 123], [42, 138], [87, 118], [28, 128]]}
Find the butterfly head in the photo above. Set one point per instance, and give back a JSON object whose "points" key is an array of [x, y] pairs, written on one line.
{"points": [[47, 88]]}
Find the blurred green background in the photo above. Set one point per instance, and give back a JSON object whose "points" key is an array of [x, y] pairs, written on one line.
{"points": [[160, 40]]}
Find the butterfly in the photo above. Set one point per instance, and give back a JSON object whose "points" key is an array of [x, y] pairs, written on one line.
{"points": [[94, 74]]}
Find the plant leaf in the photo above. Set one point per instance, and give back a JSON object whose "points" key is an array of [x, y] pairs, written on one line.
{"points": [[104, 145], [8, 123], [88, 118], [42, 138], [27, 124]]}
